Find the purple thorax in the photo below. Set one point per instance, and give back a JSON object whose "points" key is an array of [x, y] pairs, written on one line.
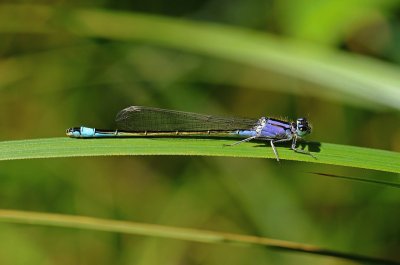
{"points": [[276, 129]]}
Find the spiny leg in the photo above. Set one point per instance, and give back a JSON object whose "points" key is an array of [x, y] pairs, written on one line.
{"points": [[271, 142], [242, 141], [274, 149], [258, 129], [300, 150], [303, 152], [273, 146]]}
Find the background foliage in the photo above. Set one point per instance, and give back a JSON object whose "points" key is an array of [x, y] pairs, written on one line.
{"points": [[54, 79]]}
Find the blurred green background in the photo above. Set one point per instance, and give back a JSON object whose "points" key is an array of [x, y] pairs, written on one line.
{"points": [[54, 79]]}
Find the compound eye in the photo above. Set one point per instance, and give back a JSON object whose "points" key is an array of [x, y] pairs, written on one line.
{"points": [[303, 127]]}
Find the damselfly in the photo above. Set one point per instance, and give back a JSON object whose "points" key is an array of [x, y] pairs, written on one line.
{"points": [[148, 121]]}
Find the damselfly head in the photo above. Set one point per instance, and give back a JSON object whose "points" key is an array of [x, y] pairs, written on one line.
{"points": [[302, 127]]}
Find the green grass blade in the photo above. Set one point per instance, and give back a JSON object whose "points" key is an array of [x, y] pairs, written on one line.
{"points": [[326, 153], [344, 73], [196, 235]]}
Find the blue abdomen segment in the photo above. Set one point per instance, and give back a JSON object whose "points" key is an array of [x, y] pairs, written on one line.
{"points": [[86, 132]]}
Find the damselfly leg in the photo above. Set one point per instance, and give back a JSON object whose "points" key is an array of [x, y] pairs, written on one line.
{"points": [[301, 151], [242, 141]]}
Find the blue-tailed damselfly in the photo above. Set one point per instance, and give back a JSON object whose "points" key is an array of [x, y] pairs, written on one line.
{"points": [[148, 121]]}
